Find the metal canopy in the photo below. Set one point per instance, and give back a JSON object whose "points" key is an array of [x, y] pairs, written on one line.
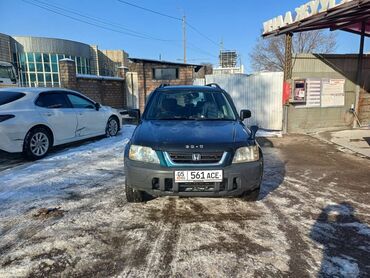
{"points": [[348, 17]]}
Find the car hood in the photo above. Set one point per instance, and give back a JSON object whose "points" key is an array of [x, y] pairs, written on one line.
{"points": [[177, 135]]}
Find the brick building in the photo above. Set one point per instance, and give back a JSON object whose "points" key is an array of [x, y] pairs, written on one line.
{"points": [[152, 73], [106, 90]]}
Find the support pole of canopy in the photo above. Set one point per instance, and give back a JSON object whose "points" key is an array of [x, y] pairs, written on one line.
{"points": [[288, 57], [287, 78], [359, 71]]}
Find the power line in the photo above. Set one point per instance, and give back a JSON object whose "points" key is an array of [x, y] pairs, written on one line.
{"points": [[97, 19], [200, 50], [132, 33], [172, 17], [204, 36], [149, 10]]}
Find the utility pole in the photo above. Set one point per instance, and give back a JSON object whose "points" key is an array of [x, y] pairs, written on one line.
{"points": [[184, 36], [360, 61], [287, 78]]}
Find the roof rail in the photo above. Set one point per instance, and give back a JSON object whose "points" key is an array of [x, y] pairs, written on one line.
{"points": [[214, 85], [164, 85]]}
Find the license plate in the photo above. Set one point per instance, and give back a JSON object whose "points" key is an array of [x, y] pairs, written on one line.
{"points": [[199, 176]]}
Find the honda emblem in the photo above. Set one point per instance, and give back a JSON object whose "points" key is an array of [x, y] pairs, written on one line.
{"points": [[196, 157]]}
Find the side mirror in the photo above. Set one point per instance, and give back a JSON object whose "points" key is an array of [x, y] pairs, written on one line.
{"points": [[97, 106], [253, 130], [134, 113], [245, 114]]}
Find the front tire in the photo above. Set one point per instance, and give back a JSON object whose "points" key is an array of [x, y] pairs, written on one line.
{"points": [[37, 143], [112, 127], [251, 196], [133, 195]]}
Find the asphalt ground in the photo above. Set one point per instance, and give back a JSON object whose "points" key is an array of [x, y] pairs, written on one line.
{"points": [[68, 217]]}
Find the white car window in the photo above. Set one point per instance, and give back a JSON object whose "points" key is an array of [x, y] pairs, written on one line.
{"points": [[8, 97], [52, 101], [79, 102]]}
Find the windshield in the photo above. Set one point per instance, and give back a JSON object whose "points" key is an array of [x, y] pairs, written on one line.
{"points": [[7, 72], [190, 105]]}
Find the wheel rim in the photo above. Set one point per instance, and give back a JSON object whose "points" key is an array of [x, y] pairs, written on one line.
{"points": [[39, 144], [112, 128]]}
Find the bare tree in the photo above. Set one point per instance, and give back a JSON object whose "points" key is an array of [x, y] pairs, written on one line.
{"points": [[268, 54]]}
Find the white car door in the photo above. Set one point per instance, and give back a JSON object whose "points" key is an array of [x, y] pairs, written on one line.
{"points": [[55, 109], [90, 121]]}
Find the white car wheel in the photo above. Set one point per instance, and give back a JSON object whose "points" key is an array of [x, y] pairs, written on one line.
{"points": [[37, 143], [112, 127]]}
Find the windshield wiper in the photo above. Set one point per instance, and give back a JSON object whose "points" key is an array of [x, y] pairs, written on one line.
{"points": [[175, 119], [208, 119]]}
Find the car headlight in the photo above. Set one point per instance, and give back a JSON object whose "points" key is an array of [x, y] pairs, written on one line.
{"points": [[144, 154], [246, 154]]}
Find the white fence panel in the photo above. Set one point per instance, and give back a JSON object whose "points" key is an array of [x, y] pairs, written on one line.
{"points": [[261, 93], [132, 89], [199, 81]]}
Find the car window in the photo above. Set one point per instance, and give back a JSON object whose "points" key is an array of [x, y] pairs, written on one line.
{"points": [[52, 101], [79, 102], [190, 105], [8, 97]]}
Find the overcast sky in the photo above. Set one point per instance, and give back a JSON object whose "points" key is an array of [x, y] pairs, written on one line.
{"points": [[237, 22]]}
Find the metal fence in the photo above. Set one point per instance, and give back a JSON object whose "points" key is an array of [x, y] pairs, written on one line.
{"points": [[261, 93]]}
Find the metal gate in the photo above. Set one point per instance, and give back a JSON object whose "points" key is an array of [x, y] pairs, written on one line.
{"points": [[261, 93]]}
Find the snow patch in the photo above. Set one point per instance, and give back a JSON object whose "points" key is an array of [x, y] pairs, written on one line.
{"points": [[266, 133], [341, 266], [99, 77]]}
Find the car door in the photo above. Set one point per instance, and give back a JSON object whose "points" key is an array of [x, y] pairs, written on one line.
{"points": [[55, 109], [90, 121]]}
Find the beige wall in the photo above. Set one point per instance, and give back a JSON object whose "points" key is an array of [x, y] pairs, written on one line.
{"points": [[328, 66], [111, 60]]}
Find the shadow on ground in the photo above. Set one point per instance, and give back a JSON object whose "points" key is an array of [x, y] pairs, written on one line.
{"points": [[346, 242], [10, 160], [274, 167]]}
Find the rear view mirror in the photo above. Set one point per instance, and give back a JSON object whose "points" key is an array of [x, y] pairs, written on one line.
{"points": [[97, 106], [134, 113], [253, 130], [245, 114]]}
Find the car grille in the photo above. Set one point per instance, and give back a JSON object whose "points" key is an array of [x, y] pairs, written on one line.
{"points": [[187, 158]]}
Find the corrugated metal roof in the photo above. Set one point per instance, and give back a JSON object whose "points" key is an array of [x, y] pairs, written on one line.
{"points": [[162, 62], [347, 17]]}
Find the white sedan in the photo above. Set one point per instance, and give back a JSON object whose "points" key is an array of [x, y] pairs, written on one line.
{"points": [[32, 120]]}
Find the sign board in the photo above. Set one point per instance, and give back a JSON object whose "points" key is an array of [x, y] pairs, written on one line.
{"points": [[299, 91], [332, 94], [313, 92], [318, 92], [302, 12]]}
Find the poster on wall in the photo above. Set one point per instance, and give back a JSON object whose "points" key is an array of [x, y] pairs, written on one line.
{"points": [[332, 94], [299, 91], [313, 92]]}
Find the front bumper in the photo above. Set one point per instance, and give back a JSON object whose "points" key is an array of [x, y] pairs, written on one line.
{"points": [[159, 181]]}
